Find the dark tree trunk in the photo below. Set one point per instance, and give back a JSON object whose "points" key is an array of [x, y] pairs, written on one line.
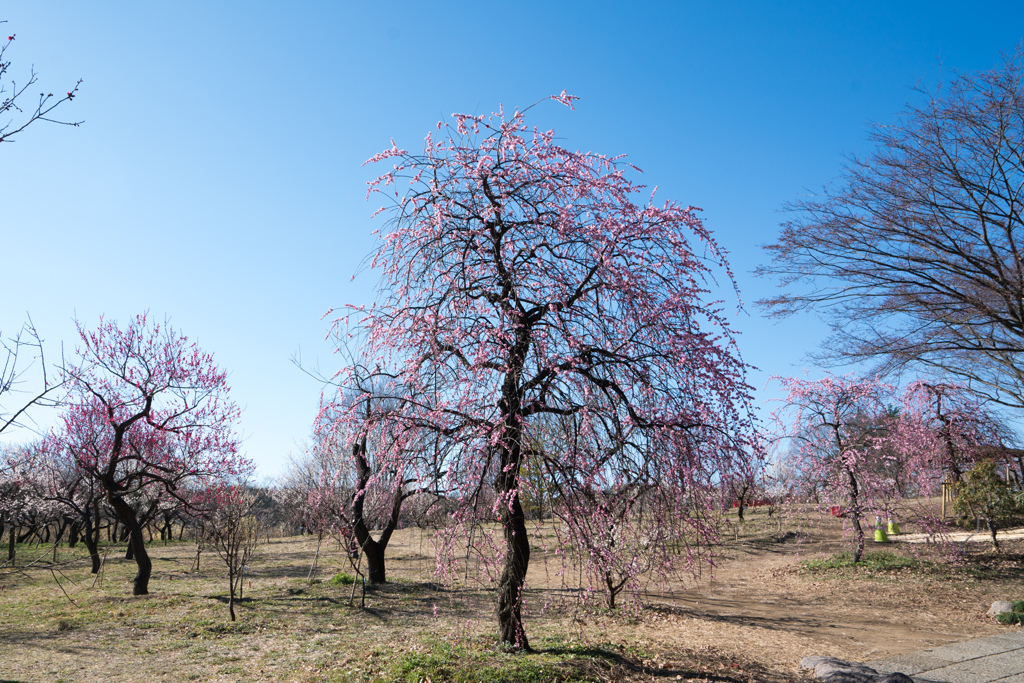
{"points": [[136, 544], [506, 484], [375, 568], [513, 575], [373, 549], [742, 496], [92, 539], [232, 580], [855, 516], [613, 590], [74, 533], [10, 544], [61, 528], [992, 530]]}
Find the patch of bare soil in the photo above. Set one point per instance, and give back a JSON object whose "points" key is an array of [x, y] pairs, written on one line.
{"points": [[763, 604]]}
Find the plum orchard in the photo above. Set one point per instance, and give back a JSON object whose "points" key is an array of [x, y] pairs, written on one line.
{"points": [[862, 445], [521, 282]]}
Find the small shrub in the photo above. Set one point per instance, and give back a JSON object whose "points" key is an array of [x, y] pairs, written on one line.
{"points": [[1010, 618], [341, 579], [1018, 605]]}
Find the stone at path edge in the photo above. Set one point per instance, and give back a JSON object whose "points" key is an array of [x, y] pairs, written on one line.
{"points": [[832, 670]]}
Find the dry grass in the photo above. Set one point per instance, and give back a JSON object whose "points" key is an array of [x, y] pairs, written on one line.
{"points": [[753, 623]]}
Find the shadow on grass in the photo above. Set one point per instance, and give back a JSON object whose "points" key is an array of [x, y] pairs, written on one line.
{"points": [[586, 658]]}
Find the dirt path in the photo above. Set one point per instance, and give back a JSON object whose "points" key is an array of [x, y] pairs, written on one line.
{"points": [[761, 605]]}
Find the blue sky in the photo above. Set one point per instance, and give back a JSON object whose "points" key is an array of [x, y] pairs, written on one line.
{"points": [[217, 179]]}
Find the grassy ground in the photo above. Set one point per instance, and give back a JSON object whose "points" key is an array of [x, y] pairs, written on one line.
{"points": [[66, 625], [59, 623]]}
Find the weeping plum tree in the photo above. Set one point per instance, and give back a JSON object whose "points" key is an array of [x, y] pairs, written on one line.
{"points": [[838, 428], [148, 412], [382, 480], [944, 429], [624, 520], [521, 280]]}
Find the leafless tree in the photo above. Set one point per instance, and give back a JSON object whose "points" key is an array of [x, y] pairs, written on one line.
{"points": [[21, 354], [232, 527], [915, 253], [15, 114]]}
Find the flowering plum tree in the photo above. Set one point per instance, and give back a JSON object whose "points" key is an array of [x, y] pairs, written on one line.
{"points": [[383, 478], [649, 518], [60, 480], [520, 279], [148, 410], [943, 430], [838, 427]]}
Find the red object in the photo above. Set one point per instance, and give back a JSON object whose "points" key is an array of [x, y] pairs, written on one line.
{"points": [[836, 510]]}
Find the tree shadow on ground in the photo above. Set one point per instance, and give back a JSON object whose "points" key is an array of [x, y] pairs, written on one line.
{"points": [[590, 658]]}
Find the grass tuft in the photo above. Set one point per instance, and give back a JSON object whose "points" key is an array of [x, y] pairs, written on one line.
{"points": [[1010, 618], [871, 562], [341, 579], [467, 661]]}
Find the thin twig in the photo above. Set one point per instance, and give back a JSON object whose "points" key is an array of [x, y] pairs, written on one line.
{"points": [[54, 575]]}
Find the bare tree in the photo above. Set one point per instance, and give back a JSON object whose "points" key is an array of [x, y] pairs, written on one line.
{"points": [[15, 117], [914, 253], [13, 370], [15, 114], [232, 527]]}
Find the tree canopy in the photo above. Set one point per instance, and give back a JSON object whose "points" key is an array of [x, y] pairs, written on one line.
{"points": [[521, 280], [914, 252]]}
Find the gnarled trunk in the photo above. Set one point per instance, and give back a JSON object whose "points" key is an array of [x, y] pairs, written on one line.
{"points": [[517, 542], [136, 543], [513, 575], [373, 549]]}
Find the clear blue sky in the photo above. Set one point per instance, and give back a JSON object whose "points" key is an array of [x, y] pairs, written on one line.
{"points": [[217, 177]]}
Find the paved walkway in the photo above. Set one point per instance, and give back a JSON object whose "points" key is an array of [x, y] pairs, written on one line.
{"points": [[961, 536], [984, 660]]}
